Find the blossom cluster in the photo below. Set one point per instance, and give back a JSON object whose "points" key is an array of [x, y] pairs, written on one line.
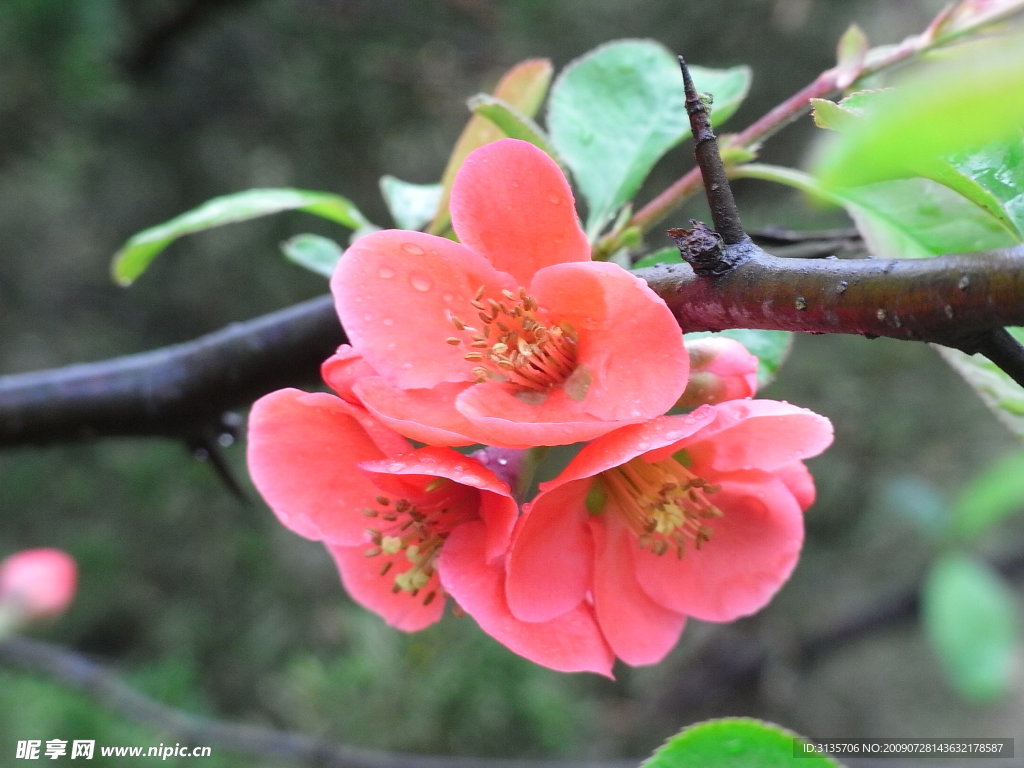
{"points": [[685, 496]]}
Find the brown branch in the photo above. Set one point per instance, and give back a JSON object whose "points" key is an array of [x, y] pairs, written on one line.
{"points": [[177, 391], [724, 213], [950, 300], [103, 686]]}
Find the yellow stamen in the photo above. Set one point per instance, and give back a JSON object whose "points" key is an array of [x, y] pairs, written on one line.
{"points": [[663, 502], [515, 345]]}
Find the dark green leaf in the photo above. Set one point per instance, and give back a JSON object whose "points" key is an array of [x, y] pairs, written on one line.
{"points": [[136, 254], [736, 743], [668, 255], [970, 618], [615, 111]]}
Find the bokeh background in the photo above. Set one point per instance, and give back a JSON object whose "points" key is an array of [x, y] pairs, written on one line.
{"points": [[116, 115]]}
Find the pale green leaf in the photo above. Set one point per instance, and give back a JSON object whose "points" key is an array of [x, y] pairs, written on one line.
{"points": [[991, 177], [850, 51], [136, 254], [315, 253], [992, 496], [616, 110], [1001, 393], [957, 105], [969, 615], [736, 743], [512, 123], [412, 206]]}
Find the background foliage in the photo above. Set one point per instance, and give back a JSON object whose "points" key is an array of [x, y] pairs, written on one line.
{"points": [[112, 118]]}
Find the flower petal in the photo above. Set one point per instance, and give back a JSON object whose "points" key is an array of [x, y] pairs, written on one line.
{"points": [[798, 479], [395, 292], [639, 630], [343, 369], [363, 581], [753, 549], [303, 452], [550, 563], [493, 411], [512, 204], [628, 339], [625, 443], [426, 415], [760, 434], [570, 642]]}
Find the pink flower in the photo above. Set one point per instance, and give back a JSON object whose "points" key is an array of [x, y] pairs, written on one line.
{"points": [[721, 369], [696, 515], [512, 337], [37, 584], [406, 527]]}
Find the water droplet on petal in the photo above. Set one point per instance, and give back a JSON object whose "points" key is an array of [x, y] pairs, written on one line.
{"points": [[555, 200], [385, 273], [388, 321], [412, 249], [420, 282]]}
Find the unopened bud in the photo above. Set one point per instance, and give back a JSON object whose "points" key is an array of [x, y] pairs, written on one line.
{"points": [[720, 369], [36, 584]]}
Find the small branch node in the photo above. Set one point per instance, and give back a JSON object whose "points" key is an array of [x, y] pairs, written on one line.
{"points": [[703, 249]]}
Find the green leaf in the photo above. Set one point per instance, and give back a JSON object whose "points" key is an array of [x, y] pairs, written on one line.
{"points": [[315, 253], [999, 392], [957, 105], [850, 52], [990, 177], [616, 110], [137, 253], [969, 617], [412, 206], [668, 255], [735, 743], [992, 496], [512, 123], [771, 348], [906, 218]]}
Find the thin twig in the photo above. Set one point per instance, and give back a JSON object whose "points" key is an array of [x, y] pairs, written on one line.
{"points": [[1005, 352], [724, 213], [74, 671]]}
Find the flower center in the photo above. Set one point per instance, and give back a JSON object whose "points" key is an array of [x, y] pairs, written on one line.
{"points": [[513, 344], [663, 502], [408, 535]]}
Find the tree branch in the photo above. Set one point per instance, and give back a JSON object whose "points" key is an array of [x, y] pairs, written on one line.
{"points": [[105, 687], [958, 301], [949, 300], [178, 391]]}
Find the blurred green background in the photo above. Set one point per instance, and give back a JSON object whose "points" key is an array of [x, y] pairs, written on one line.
{"points": [[116, 115]]}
